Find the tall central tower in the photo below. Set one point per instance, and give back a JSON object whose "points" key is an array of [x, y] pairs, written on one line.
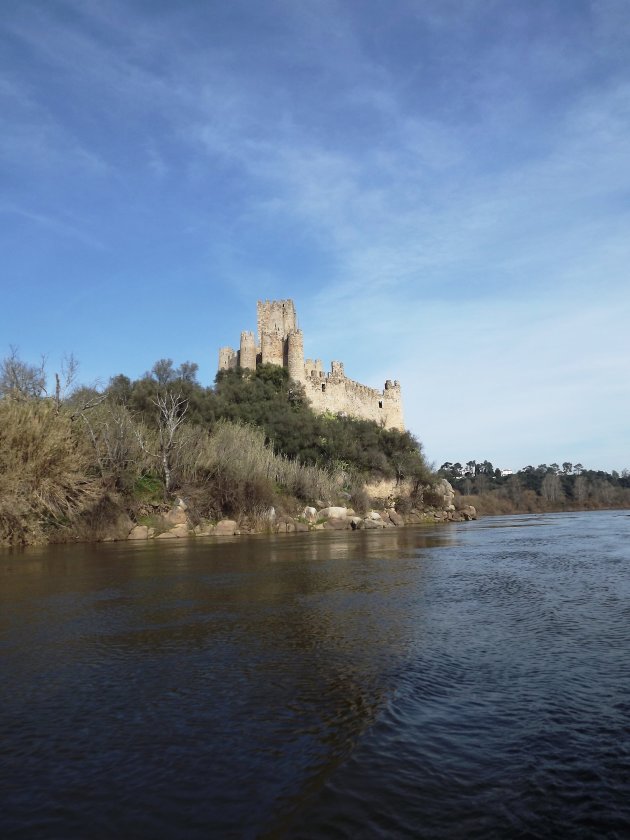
{"points": [[276, 316], [281, 341]]}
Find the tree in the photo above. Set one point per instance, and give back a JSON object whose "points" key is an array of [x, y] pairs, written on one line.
{"points": [[515, 489], [187, 372], [163, 371], [580, 488], [567, 467], [20, 380], [481, 484], [63, 383], [120, 389], [551, 489], [171, 410]]}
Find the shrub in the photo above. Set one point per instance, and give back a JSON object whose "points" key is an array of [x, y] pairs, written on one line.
{"points": [[46, 480]]}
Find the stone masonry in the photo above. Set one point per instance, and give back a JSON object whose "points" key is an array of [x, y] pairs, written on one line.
{"points": [[280, 342]]}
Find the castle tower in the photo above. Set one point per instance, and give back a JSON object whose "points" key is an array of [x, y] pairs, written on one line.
{"points": [[228, 358], [295, 355], [272, 346], [392, 403], [336, 370], [248, 351], [276, 316]]}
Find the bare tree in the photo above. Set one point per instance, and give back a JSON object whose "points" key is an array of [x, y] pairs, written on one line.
{"points": [[20, 380], [580, 488], [551, 488], [515, 489], [171, 410]]}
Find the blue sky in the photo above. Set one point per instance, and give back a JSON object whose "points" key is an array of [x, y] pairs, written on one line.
{"points": [[442, 186]]}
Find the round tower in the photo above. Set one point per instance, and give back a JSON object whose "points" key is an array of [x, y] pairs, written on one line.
{"points": [[295, 356], [272, 348], [248, 351]]}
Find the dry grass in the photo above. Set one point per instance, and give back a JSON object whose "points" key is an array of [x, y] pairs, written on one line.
{"points": [[242, 475], [45, 478]]}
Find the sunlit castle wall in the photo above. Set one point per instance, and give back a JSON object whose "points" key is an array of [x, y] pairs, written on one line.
{"points": [[272, 344]]}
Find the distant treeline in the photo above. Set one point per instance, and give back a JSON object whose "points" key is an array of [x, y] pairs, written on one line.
{"points": [[546, 487]]}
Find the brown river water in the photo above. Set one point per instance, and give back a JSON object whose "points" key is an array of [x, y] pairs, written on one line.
{"points": [[459, 681]]}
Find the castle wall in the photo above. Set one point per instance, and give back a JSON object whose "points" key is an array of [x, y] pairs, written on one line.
{"points": [[339, 395]]}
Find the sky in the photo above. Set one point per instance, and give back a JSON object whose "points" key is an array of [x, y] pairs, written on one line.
{"points": [[441, 186]]}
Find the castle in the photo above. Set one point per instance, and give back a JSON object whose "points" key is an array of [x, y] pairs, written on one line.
{"points": [[280, 342]]}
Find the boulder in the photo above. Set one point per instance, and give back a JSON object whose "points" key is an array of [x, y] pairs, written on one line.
{"points": [[468, 512], [337, 524], [181, 530], [310, 514], [166, 535], [140, 532], [332, 513], [225, 528], [176, 516], [371, 524], [301, 526], [204, 530], [374, 515], [395, 517]]}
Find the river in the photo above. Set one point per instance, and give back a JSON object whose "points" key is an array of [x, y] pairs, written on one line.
{"points": [[457, 681]]}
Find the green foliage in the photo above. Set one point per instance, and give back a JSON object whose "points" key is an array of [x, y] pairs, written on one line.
{"points": [[148, 488]]}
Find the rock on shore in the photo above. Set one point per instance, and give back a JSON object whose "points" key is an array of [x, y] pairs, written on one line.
{"points": [[177, 523]]}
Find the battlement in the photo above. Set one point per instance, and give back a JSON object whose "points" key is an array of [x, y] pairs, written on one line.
{"points": [[281, 342]]}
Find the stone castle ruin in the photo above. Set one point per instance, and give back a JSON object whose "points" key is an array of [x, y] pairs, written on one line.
{"points": [[280, 342]]}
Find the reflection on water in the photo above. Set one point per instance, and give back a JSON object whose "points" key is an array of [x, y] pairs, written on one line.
{"points": [[411, 682]]}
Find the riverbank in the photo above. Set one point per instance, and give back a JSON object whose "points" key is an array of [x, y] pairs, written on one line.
{"points": [[176, 523]]}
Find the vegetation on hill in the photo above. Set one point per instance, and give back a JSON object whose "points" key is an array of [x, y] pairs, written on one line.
{"points": [[75, 461], [536, 489]]}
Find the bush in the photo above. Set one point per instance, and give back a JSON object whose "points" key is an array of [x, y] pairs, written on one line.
{"points": [[46, 480]]}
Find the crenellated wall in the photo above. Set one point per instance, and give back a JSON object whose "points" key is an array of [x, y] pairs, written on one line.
{"points": [[281, 343]]}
